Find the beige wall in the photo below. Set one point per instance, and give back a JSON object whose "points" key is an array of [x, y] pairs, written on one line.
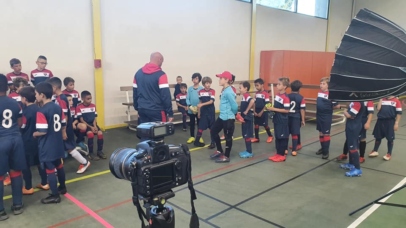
{"points": [[206, 36], [339, 19], [60, 30]]}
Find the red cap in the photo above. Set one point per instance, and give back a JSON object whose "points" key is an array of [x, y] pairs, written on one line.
{"points": [[225, 74]]}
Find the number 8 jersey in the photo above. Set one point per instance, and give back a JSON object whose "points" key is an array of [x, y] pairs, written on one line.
{"points": [[10, 111], [50, 120]]}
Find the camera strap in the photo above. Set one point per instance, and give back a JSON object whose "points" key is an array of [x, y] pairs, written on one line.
{"points": [[194, 220], [136, 202]]}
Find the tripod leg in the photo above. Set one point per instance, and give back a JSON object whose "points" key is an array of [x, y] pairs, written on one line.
{"points": [[377, 200]]}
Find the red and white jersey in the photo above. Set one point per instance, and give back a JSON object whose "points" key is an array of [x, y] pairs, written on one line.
{"points": [[38, 76], [11, 76], [75, 96], [15, 96]]}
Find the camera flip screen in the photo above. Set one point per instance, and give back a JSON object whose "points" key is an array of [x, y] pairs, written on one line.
{"points": [[162, 175]]}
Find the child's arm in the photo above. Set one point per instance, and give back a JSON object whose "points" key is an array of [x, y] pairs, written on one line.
{"points": [[398, 114], [303, 116], [41, 125], [336, 105], [396, 127], [354, 110], [211, 101], [379, 106], [250, 105], [188, 97], [232, 101]]}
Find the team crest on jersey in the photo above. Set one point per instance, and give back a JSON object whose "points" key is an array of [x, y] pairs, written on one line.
{"points": [[279, 99]]}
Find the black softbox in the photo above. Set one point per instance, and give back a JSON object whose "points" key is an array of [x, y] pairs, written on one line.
{"points": [[370, 62]]}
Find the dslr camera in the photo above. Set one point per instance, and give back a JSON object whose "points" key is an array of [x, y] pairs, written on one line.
{"points": [[154, 168]]}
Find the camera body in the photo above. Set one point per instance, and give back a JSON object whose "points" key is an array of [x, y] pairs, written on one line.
{"points": [[154, 166]]}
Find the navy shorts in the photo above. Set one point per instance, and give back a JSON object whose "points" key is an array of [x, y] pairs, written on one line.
{"points": [[294, 125], [206, 122], [247, 128], [352, 138], [31, 152], [12, 155], [263, 120], [52, 165], [69, 143], [324, 124], [281, 131], [384, 129]]}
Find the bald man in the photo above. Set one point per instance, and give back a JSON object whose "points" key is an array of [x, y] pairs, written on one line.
{"points": [[151, 95]]}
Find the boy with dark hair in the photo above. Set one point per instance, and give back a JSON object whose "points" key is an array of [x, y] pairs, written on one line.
{"points": [[12, 157], [18, 84], [68, 134], [69, 84], [76, 126], [260, 114], [324, 116], [226, 119], [353, 127], [30, 143], [206, 110], [40, 74], [367, 114], [15, 64], [181, 103], [389, 113], [296, 115], [86, 113], [192, 100], [177, 86], [50, 122], [246, 127], [280, 120]]}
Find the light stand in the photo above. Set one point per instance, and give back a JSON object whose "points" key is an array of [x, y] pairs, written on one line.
{"points": [[382, 203]]}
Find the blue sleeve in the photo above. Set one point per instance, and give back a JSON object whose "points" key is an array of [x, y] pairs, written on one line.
{"points": [[188, 97], [233, 102], [135, 94]]}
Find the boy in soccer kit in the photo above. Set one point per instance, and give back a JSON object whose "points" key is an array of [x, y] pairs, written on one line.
{"points": [[226, 119], [18, 84], [389, 114], [206, 110], [69, 84], [261, 116], [367, 115], [177, 86], [40, 74], [280, 120], [86, 113], [181, 103], [353, 128], [76, 126], [246, 113], [296, 115], [69, 140], [192, 100], [12, 157], [324, 116], [15, 64], [30, 143], [50, 122]]}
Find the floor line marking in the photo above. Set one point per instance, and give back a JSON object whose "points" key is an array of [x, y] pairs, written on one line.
{"points": [[88, 211], [374, 207]]}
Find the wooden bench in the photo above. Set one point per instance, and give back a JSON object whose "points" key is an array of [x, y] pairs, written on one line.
{"points": [[132, 120]]}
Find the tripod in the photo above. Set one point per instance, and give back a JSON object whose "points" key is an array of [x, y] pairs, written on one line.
{"points": [[157, 213], [382, 203]]}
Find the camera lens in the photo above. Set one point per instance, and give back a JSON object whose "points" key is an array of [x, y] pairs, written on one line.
{"points": [[120, 162]]}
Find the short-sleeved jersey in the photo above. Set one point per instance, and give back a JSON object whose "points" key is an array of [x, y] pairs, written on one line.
{"points": [[75, 96], [50, 120], [206, 96], [245, 101], [63, 102], [29, 122], [369, 109], [38, 76], [14, 95], [297, 103], [88, 113], [181, 98], [390, 108], [281, 101], [356, 110], [11, 76], [73, 113], [324, 105], [10, 111], [261, 99]]}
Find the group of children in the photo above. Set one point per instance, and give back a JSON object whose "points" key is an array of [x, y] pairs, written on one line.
{"points": [[39, 124], [288, 117]]}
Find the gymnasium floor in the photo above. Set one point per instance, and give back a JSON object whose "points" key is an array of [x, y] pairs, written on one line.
{"points": [[304, 191]]}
